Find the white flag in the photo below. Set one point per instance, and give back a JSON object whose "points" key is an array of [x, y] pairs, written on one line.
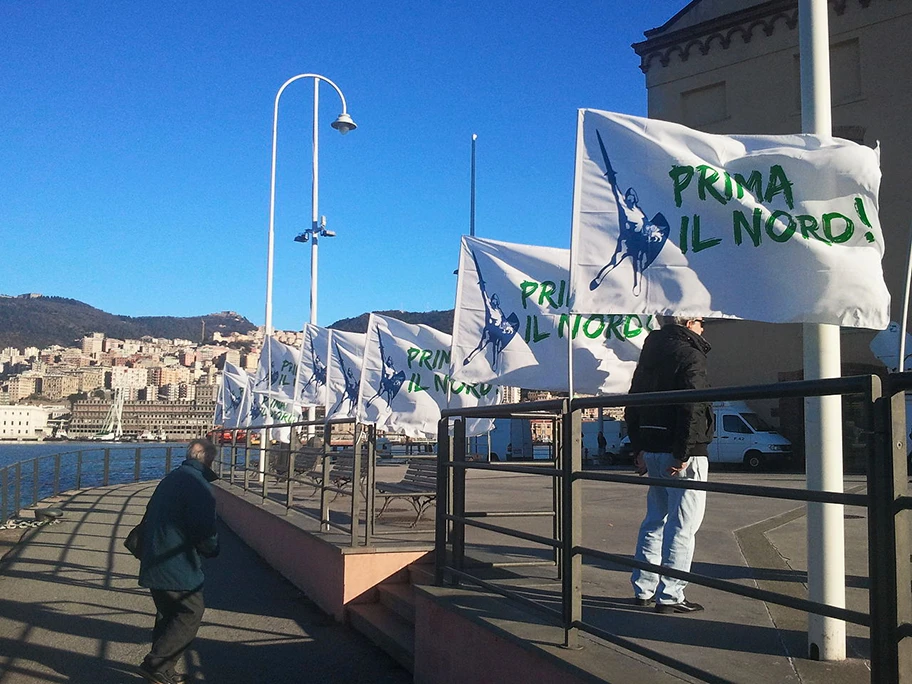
{"points": [[405, 380], [234, 397], [343, 373], [277, 370], [669, 220], [311, 383], [513, 320]]}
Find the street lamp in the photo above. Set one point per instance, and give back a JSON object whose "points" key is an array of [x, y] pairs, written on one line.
{"points": [[343, 124]]}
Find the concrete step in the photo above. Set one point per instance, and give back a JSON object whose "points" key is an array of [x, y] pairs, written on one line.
{"points": [[386, 629], [399, 598], [421, 573]]}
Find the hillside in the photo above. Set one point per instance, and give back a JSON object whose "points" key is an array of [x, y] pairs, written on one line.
{"points": [[37, 321], [441, 320]]}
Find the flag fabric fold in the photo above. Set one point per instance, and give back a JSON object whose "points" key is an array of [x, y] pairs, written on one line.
{"points": [[310, 387], [670, 220], [234, 397], [343, 373]]}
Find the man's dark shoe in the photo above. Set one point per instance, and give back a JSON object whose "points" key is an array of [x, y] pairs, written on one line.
{"points": [[682, 607], [644, 602], [154, 676]]}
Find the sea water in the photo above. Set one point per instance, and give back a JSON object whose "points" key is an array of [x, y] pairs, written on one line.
{"points": [[37, 469]]}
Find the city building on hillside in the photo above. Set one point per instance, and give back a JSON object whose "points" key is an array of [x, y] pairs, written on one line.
{"points": [[90, 379], [23, 423], [22, 386], [59, 385], [93, 344], [128, 378]]}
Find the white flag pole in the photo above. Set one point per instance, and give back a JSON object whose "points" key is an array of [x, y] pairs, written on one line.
{"points": [[822, 415], [901, 362]]}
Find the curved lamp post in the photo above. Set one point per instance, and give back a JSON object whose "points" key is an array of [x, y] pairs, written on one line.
{"points": [[343, 124]]}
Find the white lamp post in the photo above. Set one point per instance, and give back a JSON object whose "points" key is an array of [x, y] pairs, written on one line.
{"points": [[343, 124]]}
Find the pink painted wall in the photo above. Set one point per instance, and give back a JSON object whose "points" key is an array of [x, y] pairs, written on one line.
{"points": [[328, 576], [451, 649]]}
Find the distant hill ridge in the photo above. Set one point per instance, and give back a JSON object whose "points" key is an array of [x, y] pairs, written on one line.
{"points": [[441, 320], [33, 320]]}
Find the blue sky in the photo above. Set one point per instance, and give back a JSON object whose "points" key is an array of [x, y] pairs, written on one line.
{"points": [[136, 141]]}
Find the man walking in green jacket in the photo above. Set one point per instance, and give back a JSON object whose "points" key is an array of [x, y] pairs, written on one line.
{"points": [[179, 529]]}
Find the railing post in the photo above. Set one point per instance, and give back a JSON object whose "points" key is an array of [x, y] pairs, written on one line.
{"points": [[888, 541], [4, 503], [356, 484], [324, 478], [34, 482], [56, 474], [247, 464], [458, 455], [444, 451], [263, 466], [557, 453], [137, 464], [78, 470], [17, 479], [289, 484], [167, 460], [106, 467], [234, 434], [370, 504], [571, 579]]}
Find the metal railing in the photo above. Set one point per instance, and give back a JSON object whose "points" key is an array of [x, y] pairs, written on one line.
{"points": [[272, 470], [887, 503], [25, 483]]}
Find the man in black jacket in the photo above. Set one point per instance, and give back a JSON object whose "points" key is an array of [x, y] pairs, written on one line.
{"points": [[670, 442], [179, 528]]}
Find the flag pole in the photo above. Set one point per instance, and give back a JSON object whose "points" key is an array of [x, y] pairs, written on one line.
{"points": [[822, 415], [901, 365]]}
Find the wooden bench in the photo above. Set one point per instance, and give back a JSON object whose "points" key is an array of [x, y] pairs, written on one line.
{"points": [[418, 486]]}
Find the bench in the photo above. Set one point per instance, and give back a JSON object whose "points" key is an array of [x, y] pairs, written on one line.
{"points": [[343, 468], [418, 486], [308, 463]]}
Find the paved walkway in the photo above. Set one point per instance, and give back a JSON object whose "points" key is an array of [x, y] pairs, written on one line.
{"points": [[71, 610]]}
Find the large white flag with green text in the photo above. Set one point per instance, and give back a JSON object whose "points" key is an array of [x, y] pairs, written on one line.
{"points": [[669, 220], [343, 373], [513, 322], [405, 380]]}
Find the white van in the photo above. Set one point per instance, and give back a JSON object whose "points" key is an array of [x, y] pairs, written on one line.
{"points": [[743, 437], [510, 440]]}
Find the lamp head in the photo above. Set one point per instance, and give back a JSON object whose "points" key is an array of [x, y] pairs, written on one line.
{"points": [[327, 233], [344, 123], [303, 237]]}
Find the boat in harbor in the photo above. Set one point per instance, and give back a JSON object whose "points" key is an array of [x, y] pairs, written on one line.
{"points": [[112, 430]]}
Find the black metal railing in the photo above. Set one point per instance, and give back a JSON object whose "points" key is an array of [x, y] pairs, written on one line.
{"points": [[322, 460], [887, 503], [26, 482]]}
